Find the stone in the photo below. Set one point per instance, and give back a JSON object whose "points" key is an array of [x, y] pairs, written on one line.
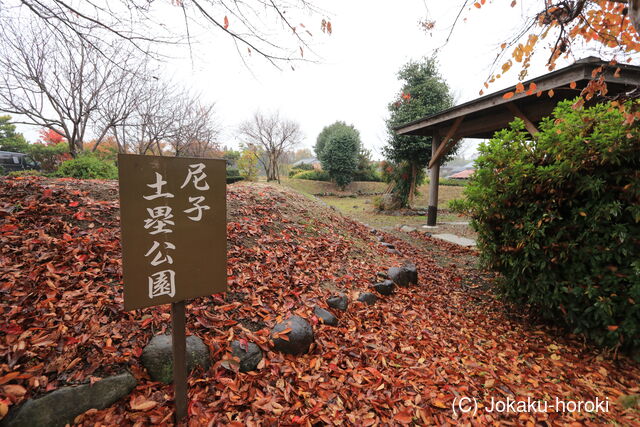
{"points": [[407, 229], [339, 302], [250, 356], [384, 288], [62, 406], [412, 271], [405, 275], [326, 316], [300, 336], [393, 251], [452, 238], [382, 274], [157, 357], [388, 245], [368, 298]]}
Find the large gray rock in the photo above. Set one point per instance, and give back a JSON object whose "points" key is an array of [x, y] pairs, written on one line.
{"points": [[326, 316], [368, 298], [300, 336], [407, 229], [62, 406], [339, 302], [157, 357], [413, 272], [250, 356], [384, 288], [405, 275]]}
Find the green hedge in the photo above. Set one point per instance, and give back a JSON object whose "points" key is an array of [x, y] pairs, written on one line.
{"points": [[231, 172], [87, 166], [314, 175], [300, 168], [559, 218], [232, 179]]}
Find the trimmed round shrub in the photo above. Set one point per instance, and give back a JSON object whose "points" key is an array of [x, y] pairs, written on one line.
{"points": [[87, 166], [314, 175], [559, 218]]}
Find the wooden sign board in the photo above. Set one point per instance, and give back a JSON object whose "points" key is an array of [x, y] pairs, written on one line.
{"points": [[173, 220]]}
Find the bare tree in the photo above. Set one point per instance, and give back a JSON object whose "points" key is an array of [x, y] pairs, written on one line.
{"points": [[151, 123], [195, 128], [140, 21], [57, 83], [166, 119], [123, 99], [273, 137]]}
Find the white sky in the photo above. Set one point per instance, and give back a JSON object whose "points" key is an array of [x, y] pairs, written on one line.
{"points": [[355, 77]]}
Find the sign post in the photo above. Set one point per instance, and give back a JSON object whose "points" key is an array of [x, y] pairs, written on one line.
{"points": [[174, 245], [179, 342]]}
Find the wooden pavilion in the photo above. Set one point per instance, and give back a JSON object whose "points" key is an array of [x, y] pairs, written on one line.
{"points": [[482, 117]]}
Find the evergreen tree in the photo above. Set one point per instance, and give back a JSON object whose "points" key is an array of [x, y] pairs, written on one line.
{"points": [[424, 92]]}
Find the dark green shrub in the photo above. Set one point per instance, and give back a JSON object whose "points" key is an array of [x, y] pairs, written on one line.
{"points": [[560, 219], [232, 179], [314, 175], [87, 166], [231, 172], [27, 172], [367, 175]]}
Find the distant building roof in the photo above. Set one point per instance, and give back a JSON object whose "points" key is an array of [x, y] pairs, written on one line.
{"points": [[308, 161], [463, 175]]}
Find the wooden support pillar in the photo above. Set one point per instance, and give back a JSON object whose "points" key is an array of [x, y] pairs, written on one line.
{"points": [[434, 181]]}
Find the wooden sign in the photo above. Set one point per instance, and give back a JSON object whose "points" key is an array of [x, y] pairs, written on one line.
{"points": [[173, 218]]}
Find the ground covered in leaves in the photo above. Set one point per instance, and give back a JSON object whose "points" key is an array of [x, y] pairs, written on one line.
{"points": [[404, 360]]}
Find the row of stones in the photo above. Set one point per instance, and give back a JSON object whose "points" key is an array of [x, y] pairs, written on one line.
{"points": [[62, 406]]}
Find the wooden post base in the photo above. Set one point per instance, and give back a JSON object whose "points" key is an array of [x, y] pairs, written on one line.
{"points": [[432, 216]]}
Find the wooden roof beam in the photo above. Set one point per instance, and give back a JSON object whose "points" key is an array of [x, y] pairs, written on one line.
{"points": [[444, 144], [518, 113]]}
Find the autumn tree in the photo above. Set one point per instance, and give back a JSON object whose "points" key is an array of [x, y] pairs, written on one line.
{"points": [[424, 92], [272, 136], [248, 164], [559, 28]]}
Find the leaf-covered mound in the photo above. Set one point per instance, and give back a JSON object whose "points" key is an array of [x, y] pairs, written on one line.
{"points": [[404, 359]]}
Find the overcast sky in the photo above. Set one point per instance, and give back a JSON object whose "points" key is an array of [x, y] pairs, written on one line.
{"points": [[355, 76]]}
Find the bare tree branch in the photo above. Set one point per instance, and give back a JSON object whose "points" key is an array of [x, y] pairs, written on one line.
{"points": [[273, 137]]}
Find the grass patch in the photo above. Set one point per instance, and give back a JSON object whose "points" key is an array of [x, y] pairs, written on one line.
{"points": [[361, 206]]}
